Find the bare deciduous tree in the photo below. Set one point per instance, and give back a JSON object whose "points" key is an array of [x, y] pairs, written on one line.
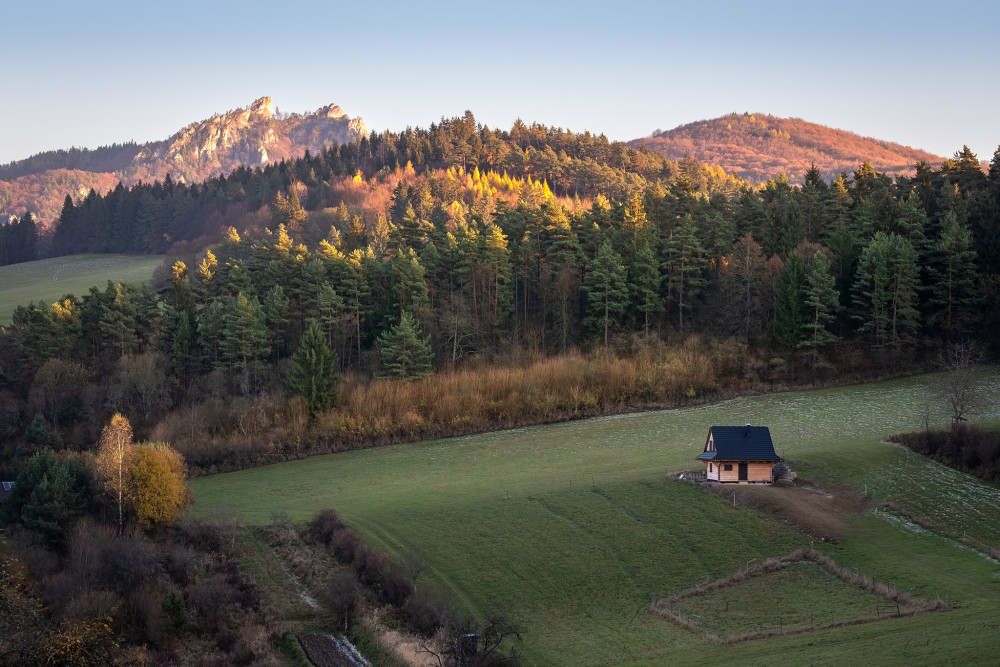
{"points": [[961, 388], [415, 562], [463, 642]]}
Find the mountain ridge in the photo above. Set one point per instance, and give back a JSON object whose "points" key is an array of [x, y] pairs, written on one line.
{"points": [[250, 136], [758, 147]]}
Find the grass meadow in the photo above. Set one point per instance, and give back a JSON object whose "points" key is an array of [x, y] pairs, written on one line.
{"points": [[574, 528], [48, 280]]}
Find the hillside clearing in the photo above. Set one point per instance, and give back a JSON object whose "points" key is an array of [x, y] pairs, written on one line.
{"points": [[574, 529], [48, 280]]}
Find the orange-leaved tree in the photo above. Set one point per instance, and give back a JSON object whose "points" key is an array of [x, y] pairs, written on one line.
{"points": [[146, 482], [158, 478]]}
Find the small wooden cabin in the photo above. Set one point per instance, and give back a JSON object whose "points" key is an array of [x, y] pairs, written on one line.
{"points": [[739, 455]]}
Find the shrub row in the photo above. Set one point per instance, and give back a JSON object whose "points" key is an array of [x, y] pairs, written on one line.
{"points": [[373, 570], [968, 448]]}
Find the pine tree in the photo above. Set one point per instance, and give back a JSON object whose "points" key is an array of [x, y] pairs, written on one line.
{"points": [[885, 294], [822, 302], [314, 375], [953, 292], [607, 296], [790, 304], [244, 337], [562, 259], [912, 222], [411, 294], [644, 282], [55, 503], [497, 275], [683, 266], [275, 312], [184, 350], [287, 211], [331, 314], [118, 322], [404, 351]]}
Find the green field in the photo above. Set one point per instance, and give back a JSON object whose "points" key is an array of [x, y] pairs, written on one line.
{"points": [[47, 280], [574, 529]]}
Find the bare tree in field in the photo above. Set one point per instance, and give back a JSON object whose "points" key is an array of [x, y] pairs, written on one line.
{"points": [[415, 563], [115, 455], [961, 389]]}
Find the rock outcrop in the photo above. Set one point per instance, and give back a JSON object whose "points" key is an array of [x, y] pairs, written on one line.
{"points": [[241, 137]]}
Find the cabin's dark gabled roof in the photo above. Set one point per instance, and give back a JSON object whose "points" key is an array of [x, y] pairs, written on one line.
{"points": [[740, 443], [5, 488]]}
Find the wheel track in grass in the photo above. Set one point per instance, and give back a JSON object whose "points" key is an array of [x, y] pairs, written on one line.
{"points": [[708, 517], [389, 544], [628, 569]]}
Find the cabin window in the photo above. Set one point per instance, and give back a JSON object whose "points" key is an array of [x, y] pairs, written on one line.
{"points": [[710, 467], [728, 467]]}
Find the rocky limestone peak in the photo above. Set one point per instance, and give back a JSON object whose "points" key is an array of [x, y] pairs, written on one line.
{"points": [[264, 107], [357, 125], [330, 111]]}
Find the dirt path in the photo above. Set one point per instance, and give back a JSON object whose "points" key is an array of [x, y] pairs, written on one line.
{"points": [[811, 509]]}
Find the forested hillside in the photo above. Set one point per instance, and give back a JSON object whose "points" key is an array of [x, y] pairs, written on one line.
{"points": [[459, 246], [759, 147]]}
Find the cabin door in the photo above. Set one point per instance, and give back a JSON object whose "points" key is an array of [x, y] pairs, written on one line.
{"points": [[743, 472]]}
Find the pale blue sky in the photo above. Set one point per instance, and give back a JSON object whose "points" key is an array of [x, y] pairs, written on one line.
{"points": [[925, 74]]}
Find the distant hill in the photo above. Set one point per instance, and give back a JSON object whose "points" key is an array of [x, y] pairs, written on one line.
{"points": [[758, 147], [207, 148]]}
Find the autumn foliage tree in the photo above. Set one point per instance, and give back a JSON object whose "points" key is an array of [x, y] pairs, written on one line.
{"points": [[159, 493], [144, 482], [112, 469]]}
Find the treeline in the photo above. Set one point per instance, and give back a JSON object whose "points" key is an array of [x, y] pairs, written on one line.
{"points": [[18, 240], [104, 159], [151, 218]]}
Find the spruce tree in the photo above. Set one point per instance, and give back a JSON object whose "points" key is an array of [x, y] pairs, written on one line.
{"points": [[644, 282], [244, 336], [607, 295], [405, 353], [885, 294], [822, 302], [685, 260], [314, 376], [953, 275], [118, 322], [790, 304]]}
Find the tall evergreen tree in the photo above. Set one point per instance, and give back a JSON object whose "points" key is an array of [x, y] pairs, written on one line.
{"points": [[644, 282], [885, 294], [314, 376], [953, 293], [822, 302], [790, 314], [683, 266], [118, 322], [607, 295], [405, 352], [244, 336]]}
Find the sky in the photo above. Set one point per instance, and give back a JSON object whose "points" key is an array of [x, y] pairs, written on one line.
{"points": [[92, 73]]}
